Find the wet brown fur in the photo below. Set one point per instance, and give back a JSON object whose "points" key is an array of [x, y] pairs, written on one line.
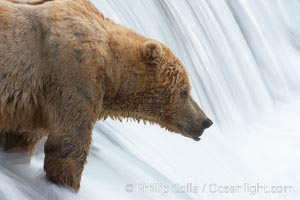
{"points": [[35, 2], [63, 66]]}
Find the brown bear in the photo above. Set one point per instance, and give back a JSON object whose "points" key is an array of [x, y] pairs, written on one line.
{"points": [[63, 66]]}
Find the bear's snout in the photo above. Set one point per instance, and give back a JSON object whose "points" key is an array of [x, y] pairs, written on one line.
{"points": [[195, 128], [193, 121], [207, 123]]}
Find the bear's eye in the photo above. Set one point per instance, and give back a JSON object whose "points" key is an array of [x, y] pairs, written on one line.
{"points": [[184, 94]]}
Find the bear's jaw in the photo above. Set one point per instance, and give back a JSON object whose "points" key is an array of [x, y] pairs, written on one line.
{"points": [[180, 130], [137, 117]]}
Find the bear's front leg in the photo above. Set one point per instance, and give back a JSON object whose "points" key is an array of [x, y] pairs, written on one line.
{"points": [[65, 155]]}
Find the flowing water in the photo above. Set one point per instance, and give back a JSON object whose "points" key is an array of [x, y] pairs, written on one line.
{"points": [[243, 60]]}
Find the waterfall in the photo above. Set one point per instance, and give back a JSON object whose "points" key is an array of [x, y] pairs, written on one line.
{"points": [[243, 62]]}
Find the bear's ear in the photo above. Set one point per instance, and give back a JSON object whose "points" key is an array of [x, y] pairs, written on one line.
{"points": [[151, 51]]}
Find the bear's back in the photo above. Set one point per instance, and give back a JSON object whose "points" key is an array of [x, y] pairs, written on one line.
{"points": [[41, 43]]}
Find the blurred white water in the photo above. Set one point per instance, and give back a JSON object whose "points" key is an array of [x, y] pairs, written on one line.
{"points": [[243, 60]]}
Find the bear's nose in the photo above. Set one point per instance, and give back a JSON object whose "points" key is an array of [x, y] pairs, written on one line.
{"points": [[207, 123]]}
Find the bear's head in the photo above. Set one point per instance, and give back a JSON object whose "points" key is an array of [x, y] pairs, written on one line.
{"points": [[155, 87]]}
